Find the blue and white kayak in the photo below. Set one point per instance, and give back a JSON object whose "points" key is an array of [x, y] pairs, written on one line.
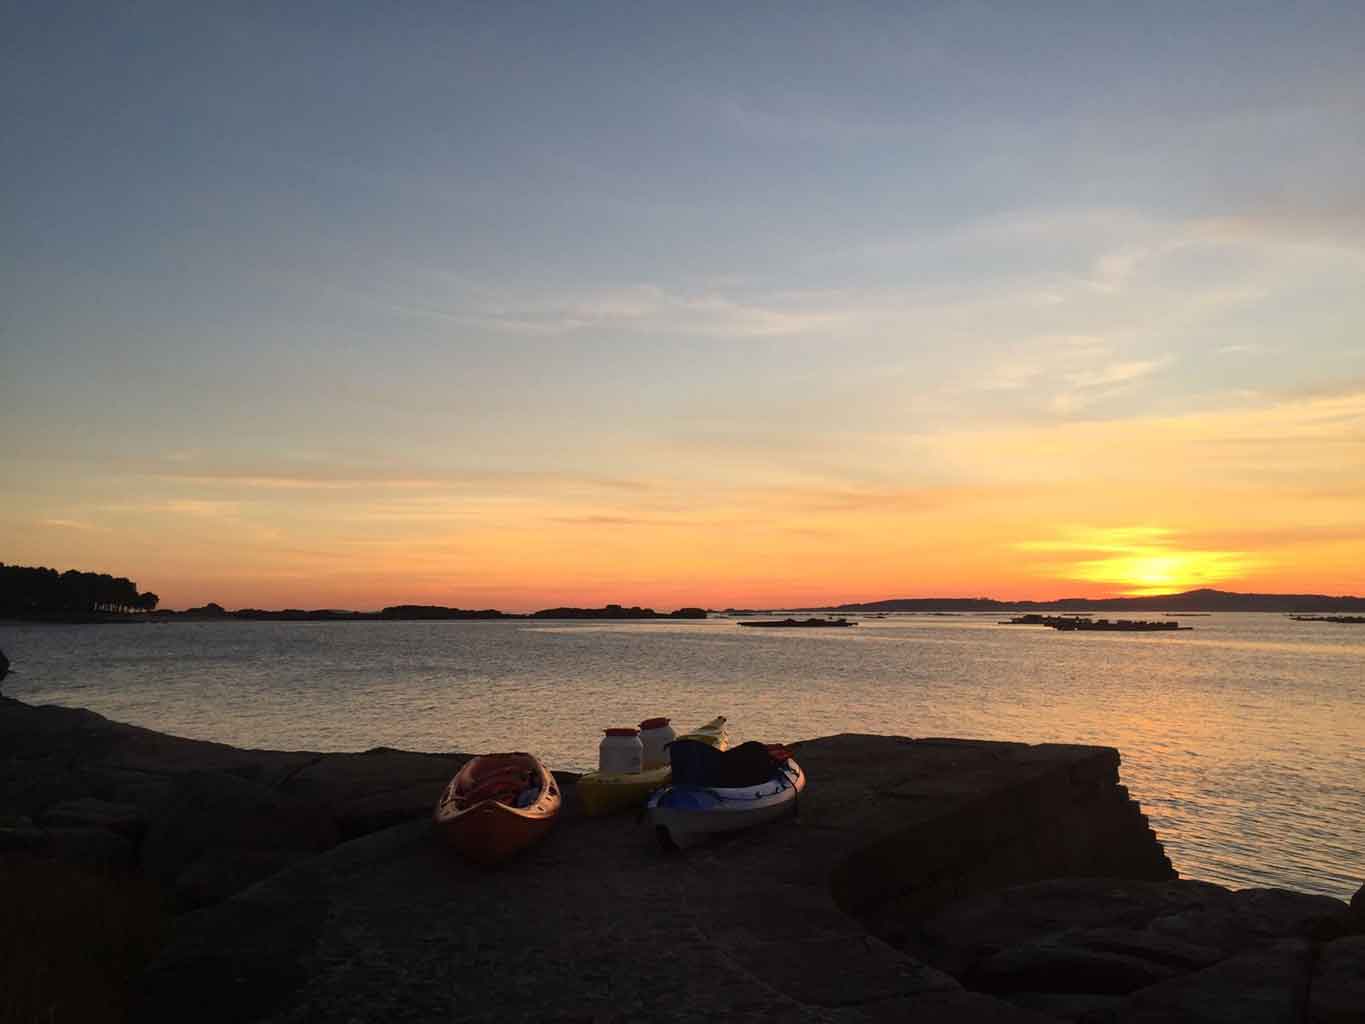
{"points": [[684, 815]]}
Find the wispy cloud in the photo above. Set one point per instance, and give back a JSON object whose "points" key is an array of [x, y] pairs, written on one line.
{"points": [[348, 478], [1090, 387], [706, 314], [1118, 373], [74, 524]]}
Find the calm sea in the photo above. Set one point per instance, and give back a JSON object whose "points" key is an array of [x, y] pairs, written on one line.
{"points": [[1243, 738]]}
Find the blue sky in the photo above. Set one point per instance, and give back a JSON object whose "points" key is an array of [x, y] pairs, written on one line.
{"points": [[257, 249]]}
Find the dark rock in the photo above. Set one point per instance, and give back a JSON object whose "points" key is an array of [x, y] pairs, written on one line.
{"points": [[1268, 986], [374, 790], [89, 812], [88, 847], [970, 930], [1254, 917], [393, 926], [1337, 995], [219, 873], [23, 839], [147, 791], [1075, 1006], [240, 830], [1358, 910], [1052, 965], [239, 960], [1150, 946], [937, 818], [92, 847], [957, 1007], [839, 971]]}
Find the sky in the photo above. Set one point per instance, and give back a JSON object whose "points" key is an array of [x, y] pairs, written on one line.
{"points": [[505, 305]]}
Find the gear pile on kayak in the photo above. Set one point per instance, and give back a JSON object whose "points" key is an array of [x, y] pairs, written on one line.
{"points": [[499, 804], [717, 791]]}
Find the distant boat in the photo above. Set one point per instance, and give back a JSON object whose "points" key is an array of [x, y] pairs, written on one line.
{"points": [[1116, 626], [796, 623], [1356, 620]]}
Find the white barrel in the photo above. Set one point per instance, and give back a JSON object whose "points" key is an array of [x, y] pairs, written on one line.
{"points": [[655, 735], [620, 751]]}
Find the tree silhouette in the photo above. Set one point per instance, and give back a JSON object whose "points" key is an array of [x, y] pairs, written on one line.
{"points": [[38, 591]]}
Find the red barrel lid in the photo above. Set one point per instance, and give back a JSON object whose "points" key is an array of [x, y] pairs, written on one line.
{"points": [[654, 723], [632, 731]]}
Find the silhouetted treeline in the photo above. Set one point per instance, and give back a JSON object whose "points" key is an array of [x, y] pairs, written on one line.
{"points": [[426, 611], [39, 592]]}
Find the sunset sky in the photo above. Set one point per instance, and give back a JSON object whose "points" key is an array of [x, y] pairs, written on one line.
{"points": [[521, 305]]}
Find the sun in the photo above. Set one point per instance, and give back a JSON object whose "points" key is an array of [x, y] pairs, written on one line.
{"points": [[1163, 572], [1141, 561], [1159, 571]]}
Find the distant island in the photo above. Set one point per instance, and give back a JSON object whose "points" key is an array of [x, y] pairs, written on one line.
{"points": [[1202, 600], [40, 594], [420, 612]]}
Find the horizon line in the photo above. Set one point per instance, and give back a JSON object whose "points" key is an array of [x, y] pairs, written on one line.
{"points": [[832, 606]]}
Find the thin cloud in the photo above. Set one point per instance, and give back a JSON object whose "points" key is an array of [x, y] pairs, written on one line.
{"points": [[74, 524], [1118, 373], [338, 479], [708, 314]]}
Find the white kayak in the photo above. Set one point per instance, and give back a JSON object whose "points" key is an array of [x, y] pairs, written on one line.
{"points": [[685, 815]]}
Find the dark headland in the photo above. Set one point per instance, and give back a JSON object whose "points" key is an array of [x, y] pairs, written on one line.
{"points": [[1202, 600], [921, 880]]}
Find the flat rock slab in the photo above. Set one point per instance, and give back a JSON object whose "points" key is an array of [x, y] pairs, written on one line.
{"points": [[1107, 935], [376, 789], [219, 832], [1252, 917], [597, 923], [971, 930], [91, 812], [1060, 966], [1269, 986]]}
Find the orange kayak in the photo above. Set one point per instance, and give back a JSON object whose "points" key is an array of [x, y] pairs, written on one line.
{"points": [[497, 805]]}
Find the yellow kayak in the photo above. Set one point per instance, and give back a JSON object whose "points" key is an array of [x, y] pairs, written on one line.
{"points": [[608, 792]]}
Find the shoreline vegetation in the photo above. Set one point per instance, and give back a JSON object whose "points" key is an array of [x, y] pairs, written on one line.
{"points": [[40, 594]]}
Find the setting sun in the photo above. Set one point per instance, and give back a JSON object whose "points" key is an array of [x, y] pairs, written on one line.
{"points": [[1141, 560]]}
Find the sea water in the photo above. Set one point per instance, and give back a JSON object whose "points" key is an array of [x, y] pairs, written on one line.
{"points": [[1242, 737]]}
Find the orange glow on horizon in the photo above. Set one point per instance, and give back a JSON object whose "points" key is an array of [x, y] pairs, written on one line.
{"points": [[1030, 513]]}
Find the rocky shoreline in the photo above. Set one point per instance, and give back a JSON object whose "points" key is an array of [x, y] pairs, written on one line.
{"points": [[922, 879]]}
